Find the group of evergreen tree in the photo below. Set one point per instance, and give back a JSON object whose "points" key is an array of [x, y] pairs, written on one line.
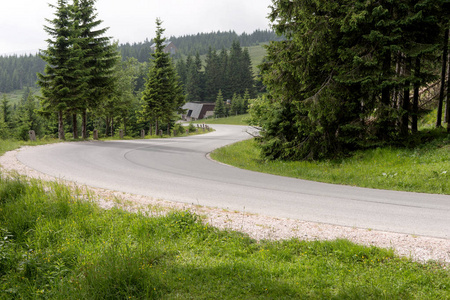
{"points": [[16, 120], [79, 75], [18, 72], [238, 105], [227, 71], [349, 75]]}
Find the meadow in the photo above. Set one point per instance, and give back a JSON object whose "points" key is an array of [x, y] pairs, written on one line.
{"points": [[56, 243]]}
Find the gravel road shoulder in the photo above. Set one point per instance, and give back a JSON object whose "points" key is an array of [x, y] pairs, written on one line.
{"points": [[259, 227]]}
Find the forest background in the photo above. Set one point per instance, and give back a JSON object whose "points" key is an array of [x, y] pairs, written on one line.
{"points": [[205, 63]]}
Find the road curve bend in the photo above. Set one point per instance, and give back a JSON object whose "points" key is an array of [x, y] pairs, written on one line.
{"points": [[177, 169]]}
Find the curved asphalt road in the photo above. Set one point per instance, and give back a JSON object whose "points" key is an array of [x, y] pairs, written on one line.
{"points": [[177, 169]]}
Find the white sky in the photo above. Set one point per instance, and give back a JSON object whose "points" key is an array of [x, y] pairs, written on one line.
{"points": [[22, 21]]}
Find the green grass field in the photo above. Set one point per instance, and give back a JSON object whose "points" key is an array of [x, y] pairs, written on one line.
{"points": [[421, 169], [234, 120], [53, 245]]}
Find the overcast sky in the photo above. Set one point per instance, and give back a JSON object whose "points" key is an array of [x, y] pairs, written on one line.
{"points": [[22, 21]]}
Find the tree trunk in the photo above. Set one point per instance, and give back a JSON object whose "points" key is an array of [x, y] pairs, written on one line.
{"points": [[107, 126], [75, 126], [156, 127], [386, 91], [84, 125], [415, 112], [112, 126], [442, 91], [150, 132], [61, 135], [448, 94], [406, 102]]}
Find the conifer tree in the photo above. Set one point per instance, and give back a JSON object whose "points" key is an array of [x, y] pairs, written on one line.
{"points": [[194, 81], [99, 58], [235, 105], [63, 80], [219, 109], [163, 94], [213, 76], [5, 109]]}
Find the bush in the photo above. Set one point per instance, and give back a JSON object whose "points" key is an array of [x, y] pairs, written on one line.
{"points": [[192, 128], [179, 129]]}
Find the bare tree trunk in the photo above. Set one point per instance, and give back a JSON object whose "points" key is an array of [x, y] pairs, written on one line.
{"points": [[156, 127], [406, 102], [386, 91], [112, 126], [448, 96], [415, 112], [75, 126], [61, 135], [443, 75], [107, 126], [84, 125], [150, 132]]}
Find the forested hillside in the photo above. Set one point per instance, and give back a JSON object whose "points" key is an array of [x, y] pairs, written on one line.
{"points": [[18, 72], [200, 43]]}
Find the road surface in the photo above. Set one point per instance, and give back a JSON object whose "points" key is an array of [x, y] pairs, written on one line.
{"points": [[177, 169]]}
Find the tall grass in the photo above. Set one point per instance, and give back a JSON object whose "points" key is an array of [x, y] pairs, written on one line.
{"points": [[425, 168], [54, 245]]}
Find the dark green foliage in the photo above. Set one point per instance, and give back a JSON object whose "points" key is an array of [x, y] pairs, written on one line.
{"points": [[64, 78], [343, 78], [229, 71], [200, 43], [98, 63], [219, 109], [163, 94], [195, 83], [17, 72]]}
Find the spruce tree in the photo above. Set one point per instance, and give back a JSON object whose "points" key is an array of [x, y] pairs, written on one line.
{"points": [[163, 94], [62, 81], [219, 109], [247, 76], [5, 108], [99, 58], [194, 81], [213, 76]]}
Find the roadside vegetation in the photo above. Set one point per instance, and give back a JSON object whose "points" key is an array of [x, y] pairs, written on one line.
{"points": [[56, 244], [425, 168], [233, 120]]}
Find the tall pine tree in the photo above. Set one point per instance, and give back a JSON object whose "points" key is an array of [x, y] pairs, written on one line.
{"points": [[99, 59], [63, 80], [163, 94]]}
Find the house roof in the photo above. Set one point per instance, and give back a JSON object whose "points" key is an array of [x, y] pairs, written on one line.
{"points": [[195, 107], [196, 110]]}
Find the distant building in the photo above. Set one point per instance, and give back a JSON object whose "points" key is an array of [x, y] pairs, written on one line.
{"points": [[198, 111], [169, 47]]}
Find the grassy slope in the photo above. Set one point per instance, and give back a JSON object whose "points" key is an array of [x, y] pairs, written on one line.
{"points": [[234, 120], [53, 246], [421, 169]]}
